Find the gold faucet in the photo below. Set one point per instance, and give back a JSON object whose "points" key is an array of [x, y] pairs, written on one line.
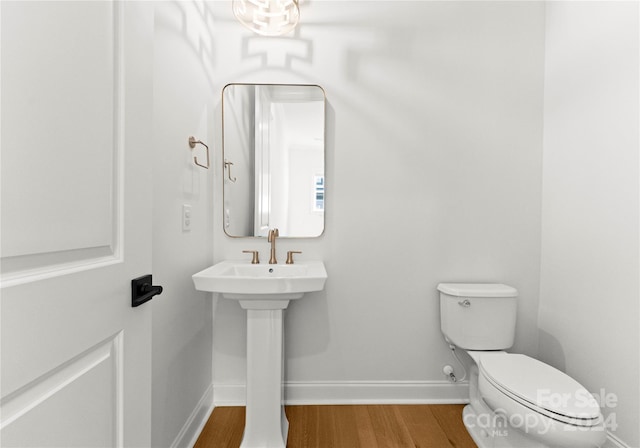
{"points": [[273, 234]]}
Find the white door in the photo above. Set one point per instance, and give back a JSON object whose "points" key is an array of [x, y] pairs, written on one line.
{"points": [[76, 222]]}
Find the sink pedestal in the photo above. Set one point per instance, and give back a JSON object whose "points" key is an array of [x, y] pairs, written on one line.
{"points": [[264, 291], [266, 425]]}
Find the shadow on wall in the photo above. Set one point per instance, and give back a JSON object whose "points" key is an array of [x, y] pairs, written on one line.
{"points": [[348, 44], [397, 62], [551, 351], [398, 67], [194, 22]]}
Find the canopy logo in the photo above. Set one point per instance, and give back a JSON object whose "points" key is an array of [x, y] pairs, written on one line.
{"points": [[498, 422]]}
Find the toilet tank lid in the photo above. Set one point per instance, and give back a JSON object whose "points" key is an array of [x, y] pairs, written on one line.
{"points": [[477, 290]]}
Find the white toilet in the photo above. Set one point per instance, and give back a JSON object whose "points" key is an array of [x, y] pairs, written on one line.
{"points": [[515, 401]]}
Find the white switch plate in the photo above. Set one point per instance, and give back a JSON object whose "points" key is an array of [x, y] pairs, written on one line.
{"points": [[186, 218]]}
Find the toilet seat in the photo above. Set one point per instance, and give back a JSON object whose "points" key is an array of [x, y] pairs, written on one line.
{"points": [[541, 388]]}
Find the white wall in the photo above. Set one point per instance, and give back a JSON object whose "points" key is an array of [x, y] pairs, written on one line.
{"points": [[183, 106], [433, 174], [589, 272]]}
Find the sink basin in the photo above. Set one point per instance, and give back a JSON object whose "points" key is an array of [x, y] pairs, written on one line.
{"points": [[242, 280]]}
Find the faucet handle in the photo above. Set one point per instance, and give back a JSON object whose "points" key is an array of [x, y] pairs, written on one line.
{"points": [[290, 256], [255, 259]]}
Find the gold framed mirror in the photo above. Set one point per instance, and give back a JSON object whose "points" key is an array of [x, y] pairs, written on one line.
{"points": [[274, 159]]}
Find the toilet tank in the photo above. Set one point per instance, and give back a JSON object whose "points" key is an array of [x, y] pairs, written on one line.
{"points": [[478, 316]]}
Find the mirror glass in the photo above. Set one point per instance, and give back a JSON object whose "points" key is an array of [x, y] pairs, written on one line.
{"points": [[273, 151]]}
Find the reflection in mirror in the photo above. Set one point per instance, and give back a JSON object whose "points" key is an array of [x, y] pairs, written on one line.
{"points": [[273, 151]]}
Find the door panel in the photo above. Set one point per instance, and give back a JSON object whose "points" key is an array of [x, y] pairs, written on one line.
{"points": [[76, 222], [91, 381], [67, 64]]}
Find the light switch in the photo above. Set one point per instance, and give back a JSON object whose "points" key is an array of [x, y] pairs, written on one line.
{"points": [[186, 218]]}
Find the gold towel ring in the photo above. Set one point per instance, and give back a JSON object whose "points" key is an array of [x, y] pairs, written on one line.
{"points": [[192, 144]]}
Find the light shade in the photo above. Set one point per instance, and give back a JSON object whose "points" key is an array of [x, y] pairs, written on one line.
{"points": [[267, 17]]}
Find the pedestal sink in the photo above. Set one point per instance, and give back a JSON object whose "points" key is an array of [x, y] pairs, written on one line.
{"points": [[264, 290]]}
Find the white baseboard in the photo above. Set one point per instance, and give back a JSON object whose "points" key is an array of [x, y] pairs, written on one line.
{"points": [[193, 426], [229, 395], [354, 392], [614, 442]]}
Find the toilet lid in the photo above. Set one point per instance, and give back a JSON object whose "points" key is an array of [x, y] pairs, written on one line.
{"points": [[541, 387]]}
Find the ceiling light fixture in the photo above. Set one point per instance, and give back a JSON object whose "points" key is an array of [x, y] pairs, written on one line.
{"points": [[267, 17]]}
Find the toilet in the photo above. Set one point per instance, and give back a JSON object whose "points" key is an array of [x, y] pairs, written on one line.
{"points": [[514, 400]]}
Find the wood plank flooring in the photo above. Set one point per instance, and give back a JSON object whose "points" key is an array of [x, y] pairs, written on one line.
{"points": [[360, 426]]}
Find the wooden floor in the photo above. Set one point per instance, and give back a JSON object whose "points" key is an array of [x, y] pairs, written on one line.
{"points": [[389, 426]]}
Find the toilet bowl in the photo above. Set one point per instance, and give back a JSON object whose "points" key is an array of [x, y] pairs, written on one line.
{"points": [[526, 403], [514, 400]]}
